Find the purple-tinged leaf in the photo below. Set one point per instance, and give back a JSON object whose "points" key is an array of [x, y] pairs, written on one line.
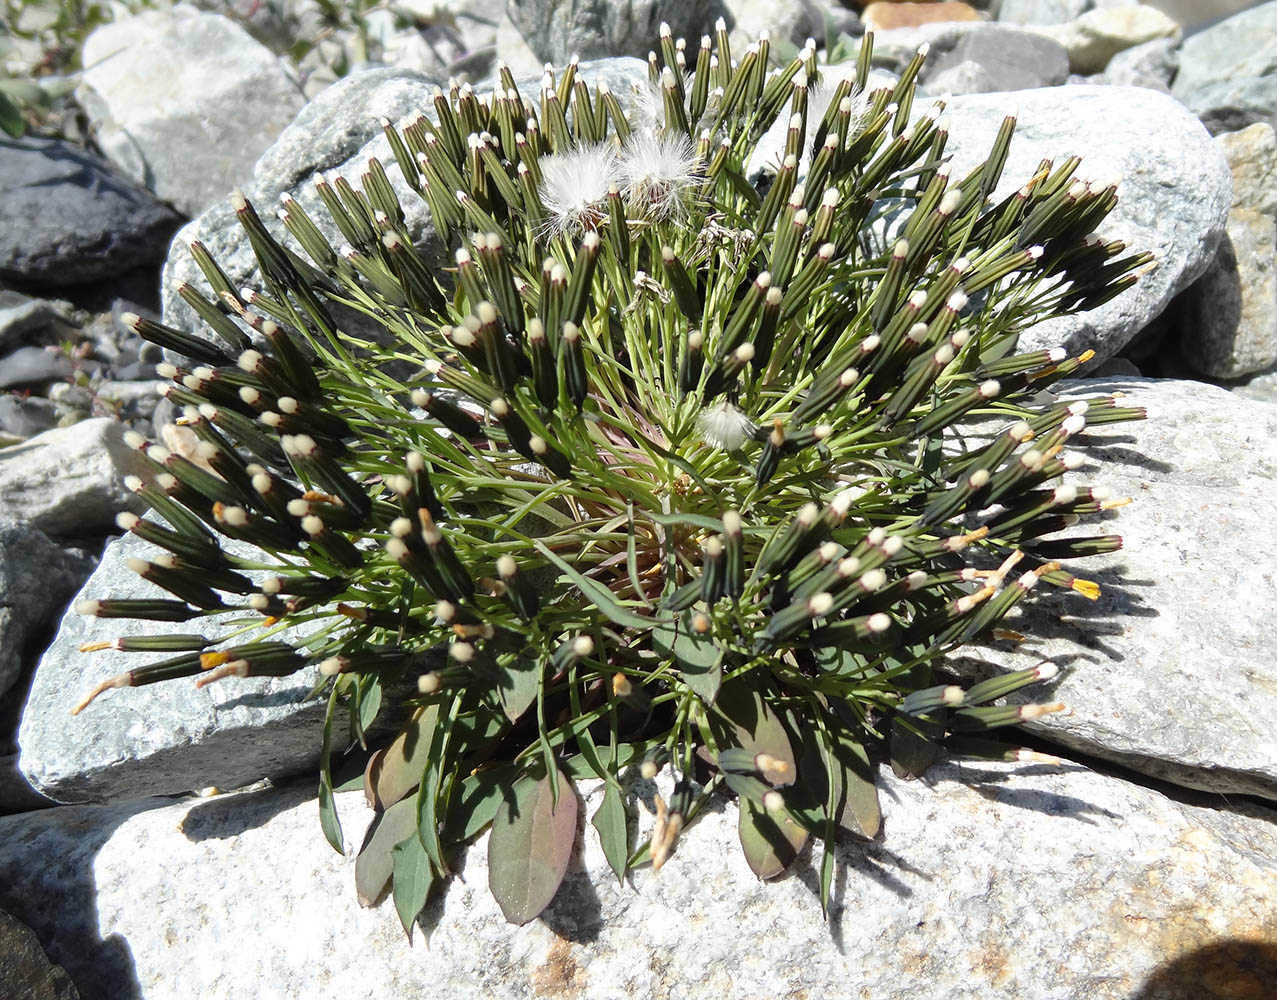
{"points": [[374, 865], [530, 846]]}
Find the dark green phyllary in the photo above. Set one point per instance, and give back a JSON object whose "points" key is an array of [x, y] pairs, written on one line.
{"points": [[655, 470]]}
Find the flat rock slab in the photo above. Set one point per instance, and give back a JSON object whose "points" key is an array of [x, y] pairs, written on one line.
{"points": [[161, 739], [1173, 671], [993, 882]]}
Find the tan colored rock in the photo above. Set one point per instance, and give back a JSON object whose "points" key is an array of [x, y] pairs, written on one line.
{"points": [[1098, 35], [885, 16], [1252, 155]]}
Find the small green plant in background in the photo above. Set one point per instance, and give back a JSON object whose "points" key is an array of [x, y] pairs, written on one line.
{"points": [[669, 481]]}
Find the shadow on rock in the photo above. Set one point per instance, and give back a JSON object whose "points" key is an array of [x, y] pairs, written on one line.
{"points": [[1229, 969], [47, 882]]}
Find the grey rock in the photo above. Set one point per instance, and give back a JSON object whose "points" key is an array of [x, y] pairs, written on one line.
{"points": [[66, 219], [32, 366], [1013, 60], [1261, 388], [1232, 105], [66, 482], [1174, 195], [1172, 671], [24, 418], [1041, 11], [1244, 45], [184, 101], [1228, 318], [160, 739], [992, 882], [37, 578], [1098, 35], [793, 22], [337, 132], [1252, 155], [1152, 64], [25, 970], [961, 78], [592, 29], [21, 316]]}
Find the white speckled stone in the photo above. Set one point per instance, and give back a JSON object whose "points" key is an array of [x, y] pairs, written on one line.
{"points": [[993, 882], [1173, 671]]}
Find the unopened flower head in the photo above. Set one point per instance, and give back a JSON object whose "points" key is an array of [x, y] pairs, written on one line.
{"points": [[574, 187]]}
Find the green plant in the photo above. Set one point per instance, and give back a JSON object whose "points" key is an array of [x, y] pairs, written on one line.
{"points": [[671, 480]]}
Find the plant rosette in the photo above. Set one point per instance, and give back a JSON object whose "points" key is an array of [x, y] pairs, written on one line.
{"points": [[658, 474]]}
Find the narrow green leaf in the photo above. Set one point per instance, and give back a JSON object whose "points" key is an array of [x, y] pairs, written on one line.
{"points": [[517, 683], [771, 841], [530, 846], [374, 865], [611, 823], [599, 594], [413, 878], [328, 820], [367, 705]]}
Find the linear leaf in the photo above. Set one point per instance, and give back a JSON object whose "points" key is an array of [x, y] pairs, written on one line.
{"points": [[328, 821], [530, 846], [612, 609]]}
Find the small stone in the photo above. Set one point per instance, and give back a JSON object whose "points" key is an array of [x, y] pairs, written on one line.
{"points": [[1151, 64], [1098, 35], [1228, 318], [28, 367], [67, 219], [882, 16], [21, 316], [185, 101], [67, 482], [24, 418], [1028, 12]]}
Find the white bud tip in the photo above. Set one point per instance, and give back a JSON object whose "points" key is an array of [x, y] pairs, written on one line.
{"points": [[1047, 670], [330, 667], [873, 580], [1073, 424], [89, 609], [583, 645], [820, 605], [879, 622]]}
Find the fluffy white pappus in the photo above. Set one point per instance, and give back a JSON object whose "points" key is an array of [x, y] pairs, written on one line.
{"points": [[659, 170], [723, 426], [574, 187]]}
